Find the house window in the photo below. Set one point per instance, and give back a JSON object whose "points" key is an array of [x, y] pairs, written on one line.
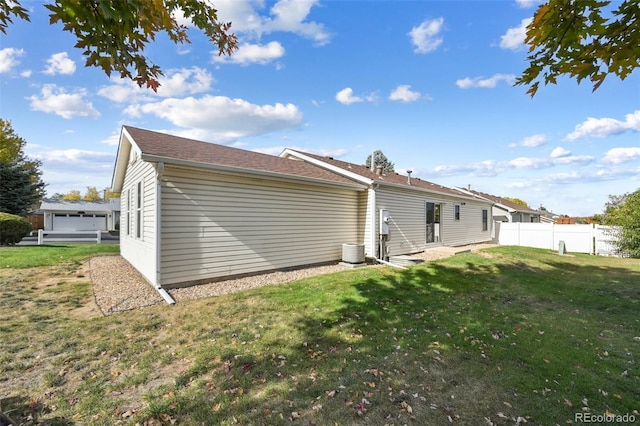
{"points": [[138, 211], [126, 213], [456, 212], [485, 219]]}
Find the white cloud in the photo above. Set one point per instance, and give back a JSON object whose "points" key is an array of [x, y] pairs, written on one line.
{"points": [[621, 155], [403, 93], [291, 15], [248, 18], [482, 168], [75, 156], [485, 83], [221, 118], [604, 127], [514, 38], [426, 36], [560, 152], [59, 63], [176, 82], [490, 168], [253, 54], [183, 81], [82, 161], [112, 140], [345, 96], [531, 141], [54, 100], [9, 58], [528, 3]]}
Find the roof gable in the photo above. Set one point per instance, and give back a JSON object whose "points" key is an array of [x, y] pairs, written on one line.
{"points": [[162, 147]]}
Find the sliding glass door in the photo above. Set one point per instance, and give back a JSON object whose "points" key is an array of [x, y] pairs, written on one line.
{"points": [[433, 222]]}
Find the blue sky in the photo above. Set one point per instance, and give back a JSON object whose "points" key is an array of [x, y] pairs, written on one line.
{"points": [[430, 83]]}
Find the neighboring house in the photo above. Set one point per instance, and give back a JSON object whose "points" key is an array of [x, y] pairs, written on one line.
{"points": [[505, 210], [79, 215], [420, 214], [194, 212]]}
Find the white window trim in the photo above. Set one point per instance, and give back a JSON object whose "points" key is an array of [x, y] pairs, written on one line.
{"points": [[485, 223], [138, 208]]}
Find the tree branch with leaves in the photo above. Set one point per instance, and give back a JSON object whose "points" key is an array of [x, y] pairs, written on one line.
{"points": [[113, 34], [582, 39]]}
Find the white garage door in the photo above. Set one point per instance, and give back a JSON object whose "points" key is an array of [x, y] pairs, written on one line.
{"points": [[78, 222]]}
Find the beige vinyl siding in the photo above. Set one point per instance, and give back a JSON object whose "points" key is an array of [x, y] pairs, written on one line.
{"points": [[140, 251], [216, 225], [467, 230], [407, 227]]}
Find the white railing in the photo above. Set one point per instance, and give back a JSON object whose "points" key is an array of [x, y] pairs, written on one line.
{"points": [[591, 239], [70, 236]]}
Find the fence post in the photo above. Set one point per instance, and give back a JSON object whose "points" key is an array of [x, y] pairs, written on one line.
{"points": [[98, 237], [40, 236]]}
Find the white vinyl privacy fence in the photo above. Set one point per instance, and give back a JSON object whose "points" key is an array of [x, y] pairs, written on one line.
{"points": [[592, 239]]}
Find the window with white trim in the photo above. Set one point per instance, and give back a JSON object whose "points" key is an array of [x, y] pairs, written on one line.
{"points": [[138, 210], [456, 212], [125, 214], [485, 219]]}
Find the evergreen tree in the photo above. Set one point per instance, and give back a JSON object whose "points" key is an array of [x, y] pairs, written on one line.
{"points": [[380, 160], [20, 189], [21, 186]]}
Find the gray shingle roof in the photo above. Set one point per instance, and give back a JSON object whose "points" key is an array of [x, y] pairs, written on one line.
{"points": [[388, 177], [162, 145], [507, 203], [79, 205]]}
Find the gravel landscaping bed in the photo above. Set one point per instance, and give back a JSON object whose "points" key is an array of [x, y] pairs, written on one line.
{"points": [[119, 287]]}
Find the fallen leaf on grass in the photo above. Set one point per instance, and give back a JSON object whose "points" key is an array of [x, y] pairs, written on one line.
{"points": [[406, 407]]}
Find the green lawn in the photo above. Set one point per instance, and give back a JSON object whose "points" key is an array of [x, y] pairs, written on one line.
{"points": [[502, 336]]}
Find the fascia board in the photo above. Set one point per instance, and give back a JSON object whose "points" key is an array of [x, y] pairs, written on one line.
{"points": [[125, 145], [346, 173]]}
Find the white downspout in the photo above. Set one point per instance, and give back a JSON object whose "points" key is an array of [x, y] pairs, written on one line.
{"points": [[166, 296], [384, 262], [374, 226], [374, 223]]}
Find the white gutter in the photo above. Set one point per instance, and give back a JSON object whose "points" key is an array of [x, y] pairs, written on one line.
{"points": [[166, 296]]}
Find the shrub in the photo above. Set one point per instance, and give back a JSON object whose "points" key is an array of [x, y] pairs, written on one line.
{"points": [[13, 229]]}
